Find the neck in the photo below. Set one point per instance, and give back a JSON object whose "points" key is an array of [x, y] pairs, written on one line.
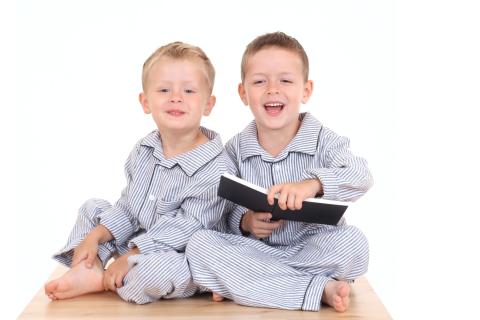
{"points": [[175, 143], [274, 141]]}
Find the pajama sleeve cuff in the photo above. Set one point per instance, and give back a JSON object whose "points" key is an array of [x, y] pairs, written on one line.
{"points": [[145, 244], [235, 219], [117, 223], [328, 180]]}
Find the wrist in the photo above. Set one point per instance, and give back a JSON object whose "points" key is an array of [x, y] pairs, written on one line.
{"points": [[133, 251], [243, 228], [100, 234], [318, 187]]}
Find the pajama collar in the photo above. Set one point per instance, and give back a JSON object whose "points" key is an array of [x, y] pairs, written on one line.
{"points": [[189, 161], [305, 141]]}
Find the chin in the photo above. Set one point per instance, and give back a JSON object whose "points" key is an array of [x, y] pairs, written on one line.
{"points": [[273, 125]]}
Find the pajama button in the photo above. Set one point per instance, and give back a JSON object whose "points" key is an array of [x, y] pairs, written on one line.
{"points": [[151, 197]]}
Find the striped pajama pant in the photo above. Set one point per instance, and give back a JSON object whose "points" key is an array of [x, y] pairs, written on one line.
{"points": [[253, 273], [151, 276]]}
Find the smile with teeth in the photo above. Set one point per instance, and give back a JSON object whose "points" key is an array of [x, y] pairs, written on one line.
{"points": [[273, 108]]}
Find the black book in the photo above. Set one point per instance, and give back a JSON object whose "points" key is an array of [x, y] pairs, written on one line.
{"points": [[253, 197]]}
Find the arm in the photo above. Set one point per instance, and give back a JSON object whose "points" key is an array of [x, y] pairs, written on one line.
{"points": [[119, 219], [116, 271], [88, 249], [258, 224], [236, 215], [343, 176], [291, 195], [173, 231]]}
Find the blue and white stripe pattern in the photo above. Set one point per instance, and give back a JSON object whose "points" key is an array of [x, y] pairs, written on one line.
{"points": [[289, 269], [166, 200]]}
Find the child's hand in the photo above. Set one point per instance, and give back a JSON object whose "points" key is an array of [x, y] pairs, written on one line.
{"points": [[258, 224], [116, 271], [86, 251], [291, 195]]}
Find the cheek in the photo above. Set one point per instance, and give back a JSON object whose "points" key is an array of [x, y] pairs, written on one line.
{"points": [[254, 97]]}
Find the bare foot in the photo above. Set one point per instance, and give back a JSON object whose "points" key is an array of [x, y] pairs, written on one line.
{"points": [[216, 297], [336, 294], [76, 281]]}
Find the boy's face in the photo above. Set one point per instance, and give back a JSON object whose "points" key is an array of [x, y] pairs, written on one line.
{"points": [[177, 94], [274, 88]]}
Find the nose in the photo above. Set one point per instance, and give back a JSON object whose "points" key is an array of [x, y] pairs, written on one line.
{"points": [[175, 97], [272, 89]]}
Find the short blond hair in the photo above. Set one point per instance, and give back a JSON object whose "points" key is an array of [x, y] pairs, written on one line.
{"points": [[275, 39], [179, 50]]}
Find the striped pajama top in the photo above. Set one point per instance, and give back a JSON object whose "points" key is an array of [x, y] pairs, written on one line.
{"points": [[315, 152], [167, 200]]}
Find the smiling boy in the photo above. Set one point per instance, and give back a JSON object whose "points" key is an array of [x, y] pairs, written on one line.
{"points": [[284, 264], [172, 180]]}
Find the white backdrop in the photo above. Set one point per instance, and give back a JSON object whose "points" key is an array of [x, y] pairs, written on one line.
{"points": [[399, 79]]}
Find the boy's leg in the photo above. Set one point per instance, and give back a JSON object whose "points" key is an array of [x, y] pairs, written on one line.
{"points": [[80, 279], [339, 253], [157, 275], [250, 272], [87, 220], [76, 281]]}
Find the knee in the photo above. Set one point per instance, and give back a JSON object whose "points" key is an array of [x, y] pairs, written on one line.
{"points": [[158, 268], [198, 242], [93, 207], [358, 240], [359, 250], [154, 276]]}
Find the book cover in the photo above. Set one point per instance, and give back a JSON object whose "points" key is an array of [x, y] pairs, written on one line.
{"points": [[253, 197]]}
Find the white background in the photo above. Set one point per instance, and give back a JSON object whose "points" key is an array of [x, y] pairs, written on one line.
{"points": [[401, 79]]}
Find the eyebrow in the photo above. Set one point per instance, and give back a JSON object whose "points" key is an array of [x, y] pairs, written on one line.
{"points": [[281, 74], [170, 82]]}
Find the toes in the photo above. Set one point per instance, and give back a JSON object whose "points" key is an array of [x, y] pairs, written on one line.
{"points": [[339, 306], [216, 297], [344, 290], [51, 286]]}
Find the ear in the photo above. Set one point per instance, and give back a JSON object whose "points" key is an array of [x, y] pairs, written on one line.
{"points": [[243, 94], [307, 91], [210, 104], [144, 102]]}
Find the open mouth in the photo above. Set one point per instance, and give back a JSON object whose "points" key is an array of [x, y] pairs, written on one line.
{"points": [[273, 108], [175, 113]]}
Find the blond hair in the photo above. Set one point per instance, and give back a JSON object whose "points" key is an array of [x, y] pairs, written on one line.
{"points": [[179, 50], [275, 39]]}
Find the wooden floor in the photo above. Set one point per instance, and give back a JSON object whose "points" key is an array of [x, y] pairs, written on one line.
{"points": [[364, 304]]}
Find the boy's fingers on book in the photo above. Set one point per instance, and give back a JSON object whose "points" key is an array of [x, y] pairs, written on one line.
{"points": [[273, 191], [291, 201], [282, 200], [298, 203], [271, 195]]}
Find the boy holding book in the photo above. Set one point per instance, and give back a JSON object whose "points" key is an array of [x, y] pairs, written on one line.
{"points": [[284, 264], [172, 181]]}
